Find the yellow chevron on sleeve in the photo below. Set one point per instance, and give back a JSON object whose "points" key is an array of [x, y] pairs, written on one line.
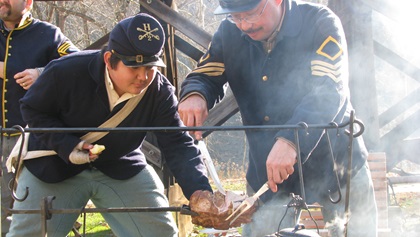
{"points": [[333, 45], [321, 74], [62, 50], [211, 69], [321, 68], [325, 64]]}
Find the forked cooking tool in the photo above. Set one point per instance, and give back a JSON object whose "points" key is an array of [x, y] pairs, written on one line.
{"points": [[247, 204]]}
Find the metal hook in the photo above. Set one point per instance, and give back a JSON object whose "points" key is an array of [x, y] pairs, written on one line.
{"points": [[361, 127], [13, 181], [335, 125], [336, 173], [305, 126]]}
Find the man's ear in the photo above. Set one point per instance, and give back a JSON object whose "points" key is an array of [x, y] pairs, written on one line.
{"points": [[107, 56], [29, 4]]}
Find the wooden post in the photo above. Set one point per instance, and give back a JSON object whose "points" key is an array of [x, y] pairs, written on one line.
{"points": [[357, 23], [177, 198]]}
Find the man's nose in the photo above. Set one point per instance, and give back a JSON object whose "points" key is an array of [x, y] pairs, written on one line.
{"points": [[142, 74], [245, 26]]}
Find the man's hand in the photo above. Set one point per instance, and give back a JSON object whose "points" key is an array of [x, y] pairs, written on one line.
{"points": [[81, 154], [193, 112], [26, 78], [280, 163]]}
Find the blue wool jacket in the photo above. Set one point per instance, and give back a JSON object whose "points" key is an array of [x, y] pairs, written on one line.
{"points": [[32, 44], [71, 93], [303, 79]]}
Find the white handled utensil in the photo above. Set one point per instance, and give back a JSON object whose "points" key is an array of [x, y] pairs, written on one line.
{"points": [[210, 166], [247, 204]]}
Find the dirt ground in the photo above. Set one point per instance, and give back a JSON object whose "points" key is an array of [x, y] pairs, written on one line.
{"points": [[404, 204]]}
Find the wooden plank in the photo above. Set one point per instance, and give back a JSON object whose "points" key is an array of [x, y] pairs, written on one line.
{"points": [[221, 112], [182, 24], [399, 132], [397, 61], [317, 215], [187, 48], [357, 24], [309, 224], [405, 179]]}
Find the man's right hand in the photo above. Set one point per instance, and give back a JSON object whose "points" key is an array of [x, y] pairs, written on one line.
{"points": [[193, 112]]}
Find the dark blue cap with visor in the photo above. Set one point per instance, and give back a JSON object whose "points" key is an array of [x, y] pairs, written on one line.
{"points": [[232, 6], [138, 41]]}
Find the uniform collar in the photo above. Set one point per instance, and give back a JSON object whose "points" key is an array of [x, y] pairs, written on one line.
{"points": [[24, 22], [292, 23]]}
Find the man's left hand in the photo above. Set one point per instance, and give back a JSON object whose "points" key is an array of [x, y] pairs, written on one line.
{"points": [[26, 78]]}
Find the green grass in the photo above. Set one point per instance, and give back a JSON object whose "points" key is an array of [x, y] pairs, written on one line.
{"points": [[96, 226]]}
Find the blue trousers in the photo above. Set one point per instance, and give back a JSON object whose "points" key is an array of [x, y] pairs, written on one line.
{"points": [[362, 209], [143, 190]]}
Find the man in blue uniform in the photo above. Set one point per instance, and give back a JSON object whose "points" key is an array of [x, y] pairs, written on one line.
{"points": [[286, 62], [26, 46], [86, 89]]}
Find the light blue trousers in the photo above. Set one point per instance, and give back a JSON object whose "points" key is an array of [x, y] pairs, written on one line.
{"points": [[6, 196], [143, 190], [362, 208]]}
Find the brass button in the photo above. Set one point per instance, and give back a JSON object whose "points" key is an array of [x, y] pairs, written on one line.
{"points": [[266, 118], [6, 120], [264, 78], [5, 110]]}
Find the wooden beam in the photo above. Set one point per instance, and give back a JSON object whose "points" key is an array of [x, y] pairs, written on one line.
{"points": [[187, 48], [221, 112], [396, 60], [404, 179], [403, 130], [99, 43], [358, 29], [397, 109], [179, 22]]}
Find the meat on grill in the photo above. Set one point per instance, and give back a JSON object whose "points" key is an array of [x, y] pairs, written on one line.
{"points": [[214, 208]]}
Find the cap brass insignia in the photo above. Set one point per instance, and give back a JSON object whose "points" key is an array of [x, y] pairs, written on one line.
{"points": [[148, 32]]}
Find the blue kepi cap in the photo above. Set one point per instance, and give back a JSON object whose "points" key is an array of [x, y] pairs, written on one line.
{"points": [[138, 41], [232, 6]]}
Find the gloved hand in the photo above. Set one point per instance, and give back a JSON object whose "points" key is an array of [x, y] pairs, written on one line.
{"points": [[81, 154]]}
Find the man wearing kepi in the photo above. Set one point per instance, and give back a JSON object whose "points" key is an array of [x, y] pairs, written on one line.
{"points": [[85, 90], [286, 62]]}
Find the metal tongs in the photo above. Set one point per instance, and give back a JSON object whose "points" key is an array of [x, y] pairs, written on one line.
{"points": [[247, 204]]}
